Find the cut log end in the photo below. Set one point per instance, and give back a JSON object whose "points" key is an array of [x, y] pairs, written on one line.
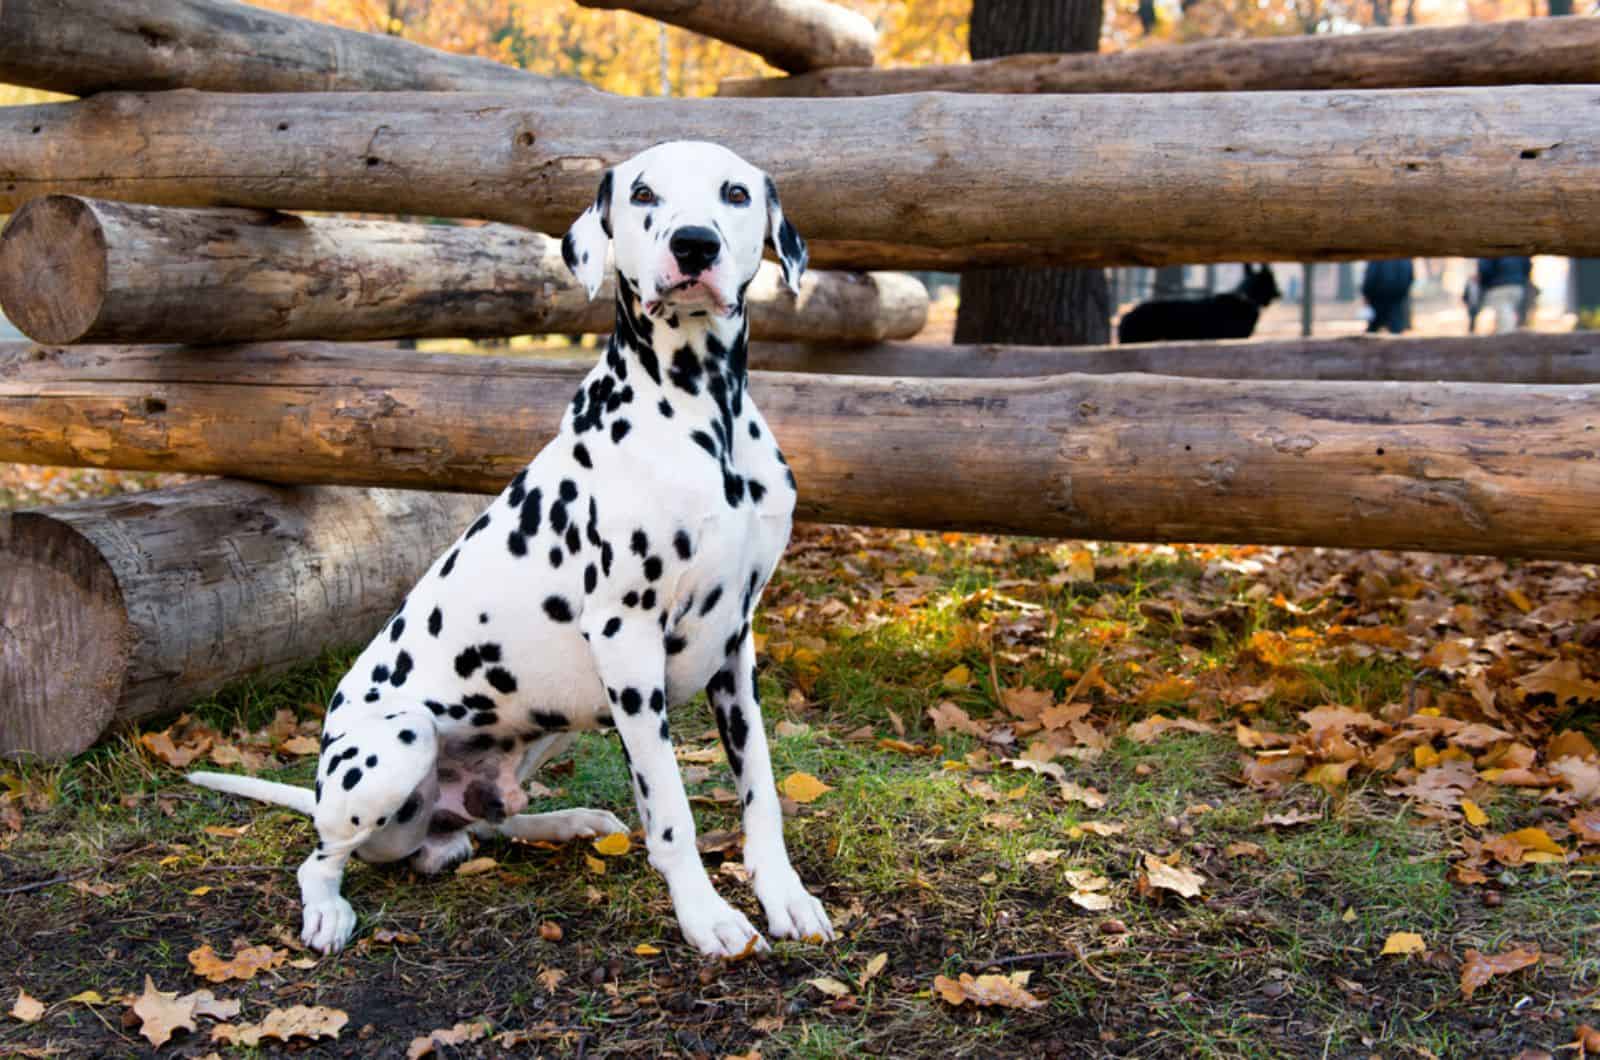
{"points": [[65, 643], [53, 260]]}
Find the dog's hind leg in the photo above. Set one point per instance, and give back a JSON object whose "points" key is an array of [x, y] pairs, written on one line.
{"points": [[792, 911], [558, 826]]}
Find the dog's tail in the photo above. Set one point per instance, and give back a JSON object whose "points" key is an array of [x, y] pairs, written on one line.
{"points": [[301, 800]]}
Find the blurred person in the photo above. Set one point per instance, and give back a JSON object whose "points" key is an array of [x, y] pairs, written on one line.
{"points": [[1386, 288], [1505, 283]]}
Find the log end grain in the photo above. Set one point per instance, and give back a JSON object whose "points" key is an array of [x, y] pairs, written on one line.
{"points": [[53, 269], [65, 639]]}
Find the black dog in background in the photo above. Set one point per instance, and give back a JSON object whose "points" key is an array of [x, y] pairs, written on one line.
{"points": [[1231, 315]]}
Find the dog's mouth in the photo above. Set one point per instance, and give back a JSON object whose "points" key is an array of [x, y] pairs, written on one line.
{"points": [[693, 292]]}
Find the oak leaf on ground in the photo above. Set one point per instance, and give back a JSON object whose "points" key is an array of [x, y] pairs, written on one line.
{"points": [[1005, 991], [297, 1021], [244, 964], [1179, 879]]}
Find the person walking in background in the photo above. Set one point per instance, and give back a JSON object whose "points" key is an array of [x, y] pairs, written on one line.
{"points": [[1386, 287], [1504, 283]]}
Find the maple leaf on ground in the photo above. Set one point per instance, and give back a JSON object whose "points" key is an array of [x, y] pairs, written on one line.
{"points": [[1443, 785], [160, 1013], [1586, 826], [803, 787], [244, 964], [947, 716], [1581, 776], [1027, 703], [1561, 679], [915, 750], [161, 745], [1403, 943], [460, 1034], [1068, 790], [297, 1021], [1156, 724], [1005, 991], [1479, 968], [1259, 739], [1290, 818], [27, 1009], [614, 845], [1179, 879]]}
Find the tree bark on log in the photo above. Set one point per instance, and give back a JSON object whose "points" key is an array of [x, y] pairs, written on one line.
{"points": [[1517, 357], [1086, 179], [81, 47], [1453, 467], [76, 270], [793, 35], [1514, 52], [123, 607]]}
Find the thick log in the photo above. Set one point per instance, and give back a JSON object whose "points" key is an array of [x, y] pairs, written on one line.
{"points": [[793, 35], [1081, 179], [85, 46], [1455, 467], [75, 270], [1518, 357], [1515, 52], [124, 607]]}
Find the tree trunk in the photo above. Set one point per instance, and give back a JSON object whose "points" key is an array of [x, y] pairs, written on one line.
{"points": [[1097, 179], [90, 270], [1451, 467], [120, 608], [1515, 52], [793, 35], [1516, 357], [81, 47], [1034, 306]]}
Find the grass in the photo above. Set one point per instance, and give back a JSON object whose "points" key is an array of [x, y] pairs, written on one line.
{"points": [[1278, 957]]}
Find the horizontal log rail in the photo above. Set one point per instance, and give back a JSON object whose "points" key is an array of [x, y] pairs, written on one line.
{"points": [[1455, 467], [85, 46], [793, 35], [967, 179], [1514, 52], [88, 270], [1517, 357]]}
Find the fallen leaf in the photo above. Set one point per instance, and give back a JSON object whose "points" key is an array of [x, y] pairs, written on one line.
{"points": [[161, 746], [1093, 901], [1290, 818], [874, 968], [957, 677], [1103, 828], [1403, 943], [1477, 969], [550, 978], [89, 997], [947, 716], [298, 1021], [1581, 776], [1027, 703], [1176, 878], [614, 845], [27, 1009], [244, 964], [394, 937], [913, 749], [477, 866], [1156, 724], [1005, 991], [1069, 790], [1242, 849], [644, 949], [830, 986], [594, 864], [460, 1034], [1562, 679], [160, 1013], [1586, 826], [1473, 813], [1005, 822], [786, 728], [300, 745], [803, 787]]}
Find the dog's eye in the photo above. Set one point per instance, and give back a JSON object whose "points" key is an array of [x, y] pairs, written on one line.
{"points": [[643, 196], [736, 194]]}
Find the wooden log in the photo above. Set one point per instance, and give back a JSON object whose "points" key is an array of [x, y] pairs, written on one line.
{"points": [[793, 35], [1453, 467], [90, 270], [1199, 177], [85, 46], [1518, 357], [128, 606], [1514, 52]]}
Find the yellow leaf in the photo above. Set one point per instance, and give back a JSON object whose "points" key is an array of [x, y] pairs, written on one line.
{"points": [[614, 845], [201, 891], [595, 865], [1519, 600], [1474, 815], [1537, 839], [27, 1009], [169, 860], [88, 997], [476, 867], [831, 987], [803, 787], [644, 949], [1080, 568], [874, 968], [1328, 775], [957, 677], [1403, 942], [315, 1021], [1423, 756]]}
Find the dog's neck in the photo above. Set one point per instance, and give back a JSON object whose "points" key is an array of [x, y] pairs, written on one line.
{"points": [[679, 346]]}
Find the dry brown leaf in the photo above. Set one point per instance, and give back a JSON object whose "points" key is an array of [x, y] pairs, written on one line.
{"points": [[1562, 679], [947, 717], [160, 745], [550, 978], [1581, 776], [803, 787], [1441, 786], [1093, 901], [1242, 849], [830, 986], [477, 866], [1026, 703], [460, 1034], [913, 749], [1004, 822], [1479, 968], [298, 1021], [1179, 879], [27, 1009], [1586, 826], [1290, 818], [874, 968], [1173, 688], [1005, 991], [1069, 790], [1103, 828], [161, 1013], [244, 964], [300, 745], [1259, 739]]}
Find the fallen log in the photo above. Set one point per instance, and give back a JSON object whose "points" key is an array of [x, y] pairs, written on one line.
{"points": [[1129, 178], [793, 35], [76, 270], [85, 46], [1452, 467], [124, 607], [1517, 357], [1515, 52]]}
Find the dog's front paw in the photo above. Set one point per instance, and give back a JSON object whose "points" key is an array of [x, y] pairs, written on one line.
{"points": [[328, 924], [792, 911], [717, 929], [585, 824]]}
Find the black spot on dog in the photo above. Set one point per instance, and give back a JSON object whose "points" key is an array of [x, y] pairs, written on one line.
{"points": [[630, 599], [757, 490], [647, 357], [732, 488], [396, 628], [619, 430], [516, 544], [483, 618], [371, 696], [558, 609], [652, 568], [591, 578], [481, 524], [490, 652], [580, 453], [658, 700], [605, 558], [485, 718], [720, 683], [648, 600], [528, 520], [372, 761], [681, 543], [435, 622], [612, 625], [434, 705], [477, 701], [631, 701], [402, 669], [337, 701], [704, 441], [711, 600], [749, 593], [666, 836], [407, 736], [558, 516], [546, 719], [352, 777], [518, 488], [568, 490], [502, 680], [457, 711], [602, 202], [666, 730], [574, 539], [755, 429], [449, 564], [686, 370], [639, 544], [556, 556], [468, 662], [408, 809], [674, 644], [665, 407]]}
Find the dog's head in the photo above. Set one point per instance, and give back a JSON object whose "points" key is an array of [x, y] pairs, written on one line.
{"points": [[686, 222]]}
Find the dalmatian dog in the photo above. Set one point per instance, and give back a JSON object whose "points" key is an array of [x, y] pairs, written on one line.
{"points": [[612, 579]]}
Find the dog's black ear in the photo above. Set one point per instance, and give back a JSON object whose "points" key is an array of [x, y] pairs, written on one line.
{"points": [[783, 238], [588, 241]]}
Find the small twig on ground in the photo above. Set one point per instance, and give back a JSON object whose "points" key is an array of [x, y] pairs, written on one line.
{"points": [[39, 885]]}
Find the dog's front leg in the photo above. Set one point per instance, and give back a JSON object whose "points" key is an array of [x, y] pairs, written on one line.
{"points": [[632, 664], [792, 911]]}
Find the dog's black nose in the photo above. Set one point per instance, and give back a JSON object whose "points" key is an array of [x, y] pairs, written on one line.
{"points": [[695, 248]]}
